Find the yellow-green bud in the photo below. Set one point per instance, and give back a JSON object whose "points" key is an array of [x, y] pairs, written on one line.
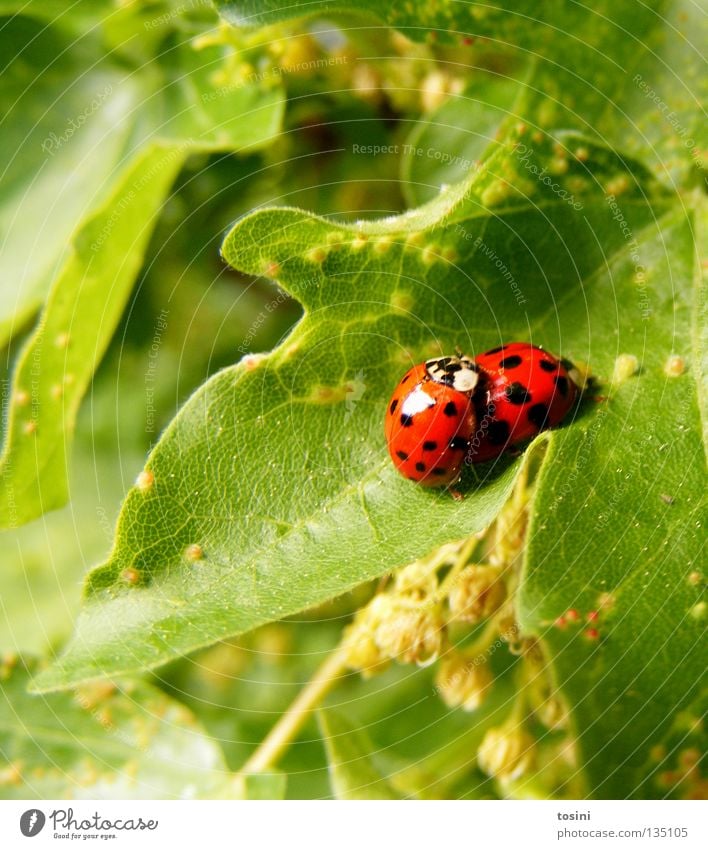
{"points": [[298, 54], [552, 714], [417, 580], [478, 592], [366, 82], [411, 635], [362, 652], [435, 89], [463, 682], [506, 752]]}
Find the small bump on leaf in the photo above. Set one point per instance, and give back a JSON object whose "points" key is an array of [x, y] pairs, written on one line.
{"points": [[145, 480]]}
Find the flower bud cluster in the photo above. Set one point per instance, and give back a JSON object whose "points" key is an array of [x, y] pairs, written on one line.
{"points": [[506, 752], [477, 593], [405, 624], [463, 681]]}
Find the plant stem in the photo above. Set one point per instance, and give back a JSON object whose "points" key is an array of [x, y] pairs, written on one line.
{"points": [[282, 733], [489, 634], [463, 557]]}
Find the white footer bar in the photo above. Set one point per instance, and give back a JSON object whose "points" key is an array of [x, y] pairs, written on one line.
{"points": [[355, 825]]}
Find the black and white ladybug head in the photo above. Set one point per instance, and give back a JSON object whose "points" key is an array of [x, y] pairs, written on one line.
{"points": [[461, 373]]}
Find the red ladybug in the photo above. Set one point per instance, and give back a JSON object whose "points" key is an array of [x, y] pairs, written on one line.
{"points": [[431, 418], [523, 391]]}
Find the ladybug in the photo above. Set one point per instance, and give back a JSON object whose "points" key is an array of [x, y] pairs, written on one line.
{"points": [[523, 391], [431, 418]]}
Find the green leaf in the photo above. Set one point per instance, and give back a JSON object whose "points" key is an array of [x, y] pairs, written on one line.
{"points": [[44, 562], [126, 741], [272, 490], [67, 131], [163, 113], [664, 105], [186, 107], [60, 357], [632, 75], [444, 147], [618, 516], [352, 770]]}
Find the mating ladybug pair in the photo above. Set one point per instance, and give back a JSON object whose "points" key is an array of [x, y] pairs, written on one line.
{"points": [[451, 410]]}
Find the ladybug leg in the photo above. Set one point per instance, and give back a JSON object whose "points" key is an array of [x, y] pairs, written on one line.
{"points": [[456, 494]]}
